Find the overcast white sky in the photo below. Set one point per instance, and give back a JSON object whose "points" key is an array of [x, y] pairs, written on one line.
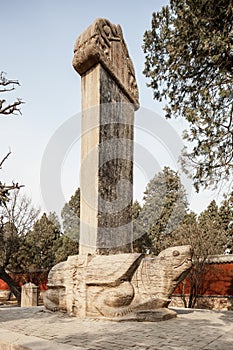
{"points": [[37, 49]]}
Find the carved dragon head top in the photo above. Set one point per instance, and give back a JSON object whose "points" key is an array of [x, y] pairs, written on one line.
{"points": [[103, 42]]}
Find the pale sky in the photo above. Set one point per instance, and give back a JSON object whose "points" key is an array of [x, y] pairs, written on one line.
{"points": [[37, 49]]}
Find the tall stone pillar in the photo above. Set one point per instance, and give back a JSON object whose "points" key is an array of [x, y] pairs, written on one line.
{"points": [[109, 99]]}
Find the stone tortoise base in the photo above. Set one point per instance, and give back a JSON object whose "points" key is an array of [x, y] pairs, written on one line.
{"points": [[35, 328]]}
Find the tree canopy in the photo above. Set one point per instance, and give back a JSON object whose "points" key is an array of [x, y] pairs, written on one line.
{"points": [[40, 243], [17, 217], [164, 206], [208, 234], [189, 63], [71, 216]]}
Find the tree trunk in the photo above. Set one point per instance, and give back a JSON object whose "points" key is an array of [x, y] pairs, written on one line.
{"points": [[183, 298], [15, 288]]}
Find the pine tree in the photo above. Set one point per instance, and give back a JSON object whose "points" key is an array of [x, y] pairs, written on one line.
{"points": [[40, 245], [53, 217], [164, 207], [210, 214], [141, 241], [65, 247], [226, 221], [189, 61], [17, 217], [71, 217]]}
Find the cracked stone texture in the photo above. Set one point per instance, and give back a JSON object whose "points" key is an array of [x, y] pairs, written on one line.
{"points": [[117, 285]]}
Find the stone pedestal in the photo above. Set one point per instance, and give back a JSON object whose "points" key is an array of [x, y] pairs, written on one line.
{"points": [[29, 295], [118, 286]]}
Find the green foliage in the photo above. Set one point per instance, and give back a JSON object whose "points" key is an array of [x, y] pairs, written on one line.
{"points": [[162, 221], [189, 61], [18, 216], [164, 206], [207, 235], [30, 244], [9, 244], [45, 245], [71, 217], [52, 216], [210, 214], [226, 221], [221, 218], [142, 241], [64, 247], [40, 245]]}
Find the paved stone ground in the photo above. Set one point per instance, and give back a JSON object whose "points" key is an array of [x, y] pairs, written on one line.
{"points": [[35, 328]]}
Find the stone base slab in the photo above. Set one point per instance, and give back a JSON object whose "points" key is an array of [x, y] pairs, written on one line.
{"points": [[157, 315], [37, 329], [14, 341]]}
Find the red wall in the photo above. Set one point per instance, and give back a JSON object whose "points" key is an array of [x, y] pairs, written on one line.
{"points": [[39, 279], [218, 281], [3, 285]]}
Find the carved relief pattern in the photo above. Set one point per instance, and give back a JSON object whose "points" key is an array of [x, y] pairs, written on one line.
{"points": [[117, 285], [103, 42]]}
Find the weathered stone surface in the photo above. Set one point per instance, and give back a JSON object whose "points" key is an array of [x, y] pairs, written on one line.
{"points": [[29, 295], [103, 42], [109, 98], [192, 329], [118, 285], [161, 274]]}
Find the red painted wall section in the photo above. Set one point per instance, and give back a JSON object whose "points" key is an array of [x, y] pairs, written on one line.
{"points": [[3, 285], [218, 281], [39, 279]]}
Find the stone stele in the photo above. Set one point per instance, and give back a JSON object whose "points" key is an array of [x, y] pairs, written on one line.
{"points": [[109, 99], [106, 279]]}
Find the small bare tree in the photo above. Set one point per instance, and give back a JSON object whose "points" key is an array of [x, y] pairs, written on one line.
{"points": [[7, 85], [17, 218], [5, 189], [7, 229]]}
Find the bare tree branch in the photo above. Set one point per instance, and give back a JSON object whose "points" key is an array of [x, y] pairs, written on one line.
{"points": [[9, 85], [4, 81], [3, 160], [11, 108], [4, 189], [9, 89]]}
